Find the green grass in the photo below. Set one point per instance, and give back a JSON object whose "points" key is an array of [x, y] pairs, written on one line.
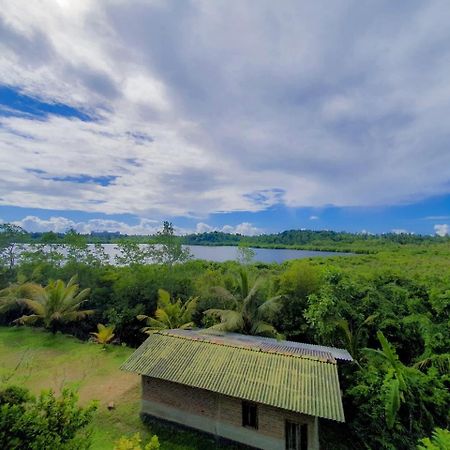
{"points": [[39, 360]]}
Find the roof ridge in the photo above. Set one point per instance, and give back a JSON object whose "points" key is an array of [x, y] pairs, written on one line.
{"points": [[327, 358]]}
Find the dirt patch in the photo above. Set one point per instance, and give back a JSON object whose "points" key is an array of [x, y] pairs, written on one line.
{"points": [[113, 388]]}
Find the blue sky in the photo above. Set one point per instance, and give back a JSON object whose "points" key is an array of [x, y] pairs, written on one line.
{"points": [[218, 116]]}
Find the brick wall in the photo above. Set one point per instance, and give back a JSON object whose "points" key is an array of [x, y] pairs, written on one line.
{"points": [[271, 421]]}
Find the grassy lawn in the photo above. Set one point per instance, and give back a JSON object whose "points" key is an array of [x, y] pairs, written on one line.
{"points": [[39, 360]]}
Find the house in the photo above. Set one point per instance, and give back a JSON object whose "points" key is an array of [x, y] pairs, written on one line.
{"points": [[256, 391]]}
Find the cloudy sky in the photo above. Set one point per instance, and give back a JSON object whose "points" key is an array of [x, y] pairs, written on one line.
{"points": [[247, 116]]}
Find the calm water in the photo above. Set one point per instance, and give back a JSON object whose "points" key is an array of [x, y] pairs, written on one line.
{"points": [[227, 253], [224, 253], [265, 255]]}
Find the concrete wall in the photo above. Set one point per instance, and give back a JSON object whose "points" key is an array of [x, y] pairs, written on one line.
{"points": [[220, 415]]}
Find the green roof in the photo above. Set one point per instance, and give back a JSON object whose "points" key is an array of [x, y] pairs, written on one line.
{"points": [[303, 383]]}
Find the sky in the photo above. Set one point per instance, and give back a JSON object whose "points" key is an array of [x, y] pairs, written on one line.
{"points": [[247, 116]]}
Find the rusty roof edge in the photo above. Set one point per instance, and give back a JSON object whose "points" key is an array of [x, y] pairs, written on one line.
{"points": [[327, 356]]}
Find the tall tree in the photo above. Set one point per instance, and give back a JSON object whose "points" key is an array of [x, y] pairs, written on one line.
{"points": [[12, 238], [132, 253], [169, 250]]}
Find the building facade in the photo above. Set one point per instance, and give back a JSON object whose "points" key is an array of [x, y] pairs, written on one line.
{"points": [[260, 392]]}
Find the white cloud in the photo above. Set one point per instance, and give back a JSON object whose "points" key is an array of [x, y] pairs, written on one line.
{"points": [[62, 224], [314, 217], [401, 231], [244, 228], [233, 119], [204, 228], [442, 229]]}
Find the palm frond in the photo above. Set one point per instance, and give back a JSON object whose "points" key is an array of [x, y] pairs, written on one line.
{"points": [[261, 328], [35, 306], [222, 293], [27, 320], [441, 362], [142, 317], [270, 306], [229, 320]]}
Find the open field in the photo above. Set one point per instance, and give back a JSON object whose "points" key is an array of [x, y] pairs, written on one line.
{"points": [[39, 360]]}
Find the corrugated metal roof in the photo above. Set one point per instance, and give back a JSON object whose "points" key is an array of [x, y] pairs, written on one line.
{"points": [[265, 344], [298, 383]]}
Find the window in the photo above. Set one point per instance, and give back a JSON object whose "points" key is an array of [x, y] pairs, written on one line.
{"points": [[249, 415], [296, 436]]}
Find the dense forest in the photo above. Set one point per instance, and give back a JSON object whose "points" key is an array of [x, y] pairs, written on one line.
{"points": [[390, 307], [296, 239]]}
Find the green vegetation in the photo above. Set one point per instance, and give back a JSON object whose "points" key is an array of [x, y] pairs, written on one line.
{"points": [[38, 360], [30, 423], [135, 443], [393, 299], [249, 311], [440, 440], [55, 304], [104, 334], [170, 314]]}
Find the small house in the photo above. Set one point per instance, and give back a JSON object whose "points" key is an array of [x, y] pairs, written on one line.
{"points": [[260, 392]]}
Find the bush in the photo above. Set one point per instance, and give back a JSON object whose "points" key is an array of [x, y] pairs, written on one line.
{"points": [[29, 423], [135, 443]]}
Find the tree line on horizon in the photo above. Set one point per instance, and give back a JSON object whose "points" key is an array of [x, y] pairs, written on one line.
{"points": [[288, 238]]}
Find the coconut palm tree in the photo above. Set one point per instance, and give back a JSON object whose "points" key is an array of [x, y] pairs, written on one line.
{"points": [[170, 314], [55, 304], [353, 337], [104, 335], [12, 296], [249, 313]]}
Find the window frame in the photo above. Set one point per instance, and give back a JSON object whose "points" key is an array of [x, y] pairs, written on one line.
{"points": [[299, 435], [249, 412]]}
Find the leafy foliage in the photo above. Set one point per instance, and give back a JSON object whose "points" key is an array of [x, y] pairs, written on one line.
{"points": [[250, 312], [56, 303], [12, 296], [30, 423], [104, 335], [440, 440], [170, 314], [399, 287], [135, 443], [11, 238], [169, 250]]}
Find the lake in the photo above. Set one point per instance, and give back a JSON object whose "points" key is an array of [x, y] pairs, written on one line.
{"points": [[264, 255], [219, 253]]}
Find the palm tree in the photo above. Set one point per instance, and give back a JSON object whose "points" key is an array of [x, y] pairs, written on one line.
{"points": [[170, 314], [249, 311], [12, 296], [104, 334], [55, 304], [353, 337]]}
